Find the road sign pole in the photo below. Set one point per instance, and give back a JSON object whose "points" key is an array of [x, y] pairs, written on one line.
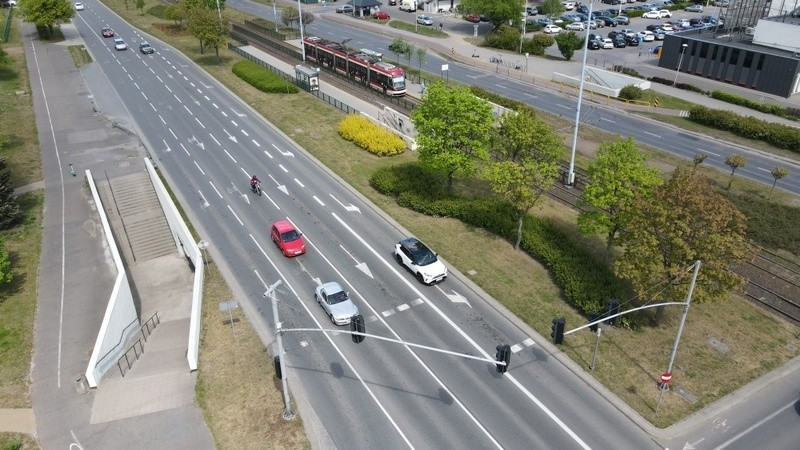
{"points": [[683, 316], [596, 348]]}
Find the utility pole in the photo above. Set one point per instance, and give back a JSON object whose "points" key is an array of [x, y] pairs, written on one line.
{"points": [[288, 414]]}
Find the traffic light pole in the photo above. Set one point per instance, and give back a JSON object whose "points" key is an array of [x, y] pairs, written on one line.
{"points": [[288, 414], [683, 316]]}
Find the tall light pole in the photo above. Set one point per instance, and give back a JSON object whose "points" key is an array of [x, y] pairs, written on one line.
{"points": [[288, 414], [680, 61], [302, 40], [571, 174]]}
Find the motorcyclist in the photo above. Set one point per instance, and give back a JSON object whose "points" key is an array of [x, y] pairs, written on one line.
{"points": [[254, 182]]}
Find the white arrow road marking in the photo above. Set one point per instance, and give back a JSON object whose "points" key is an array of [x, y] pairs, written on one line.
{"points": [[455, 297], [281, 187], [362, 266], [349, 207], [205, 202], [282, 152], [230, 136], [166, 145], [240, 115], [194, 141], [692, 446]]}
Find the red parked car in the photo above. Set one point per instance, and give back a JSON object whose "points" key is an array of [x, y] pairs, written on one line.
{"points": [[108, 32], [474, 18], [380, 15], [287, 238]]}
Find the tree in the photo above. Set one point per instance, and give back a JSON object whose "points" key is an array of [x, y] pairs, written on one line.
{"points": [[290, 15], [525, 152], [421, 53], [777, 173], [568, 43], [698, 159], [10, 211], [399, 47], [453, 129], [206, 27], [6, 275], [4, 58], [683, 221], [616, 178], [140, 6], [47, 13], [174, 13], [551, 8], [308, 18], [734, 161], [498, 12]]}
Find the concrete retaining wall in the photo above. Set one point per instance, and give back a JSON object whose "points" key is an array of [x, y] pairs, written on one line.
{"points": [[120, 320]]}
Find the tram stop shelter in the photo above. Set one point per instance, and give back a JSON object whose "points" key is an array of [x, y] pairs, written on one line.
{"points": [[307, 77]]}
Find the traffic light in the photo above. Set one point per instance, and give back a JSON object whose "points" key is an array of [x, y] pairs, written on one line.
{"points": [[558, 330], [612, 307], [357, 325], [503, 355], [593, 316]]}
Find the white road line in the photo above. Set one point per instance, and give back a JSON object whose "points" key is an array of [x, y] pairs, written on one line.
{"points": [[371, 319], [388, 312], [215, 188], [223, 113], [273, 202], [234, 123], [530, 95], [176, 98], [190, 82], [154, 108], [124, 69], [515, 348], [184, 78], [563, 106], [217, 107], [299, 183], [129, 76], [284, 168], [229, 156], [170, 90], [267, 153], [607, 120], [188, 110], [755, 425], [201, 123], [207, 99], [333, 344], [466, 337], [162, 119], [198, 167], [184, 148], [173, 133], [318, 200], [500, 86], [215, 139], [244, 171], [403, 307], [152, 71], [651, 134], [234, 215], [159, 79], [137, 86], [528, 342], [257, 144], [765, 170], [417, 302], [710, 153], [245, 133]]}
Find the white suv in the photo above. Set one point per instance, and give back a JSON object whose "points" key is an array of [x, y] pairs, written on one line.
{"points": [[420, 260]]}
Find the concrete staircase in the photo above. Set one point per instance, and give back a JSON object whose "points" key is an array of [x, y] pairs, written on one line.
{"points": [[145, 229]]}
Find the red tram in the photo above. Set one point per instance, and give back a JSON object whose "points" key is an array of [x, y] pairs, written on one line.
{"points": [[356, 64]]}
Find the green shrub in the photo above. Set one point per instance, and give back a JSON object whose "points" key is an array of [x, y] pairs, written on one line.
{"points": [[537, 44], [158, 11], [498, 99], [769, 108], [505, 38], [586, 282], [371, 136], [630, 72], [779, 135], [634, 13], [631, 92], [262, 79]]}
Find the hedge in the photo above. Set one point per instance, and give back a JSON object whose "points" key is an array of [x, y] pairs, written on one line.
{"points": [[263, 79], [780, 136], [370, 136], [586, 282], [769, 108]]}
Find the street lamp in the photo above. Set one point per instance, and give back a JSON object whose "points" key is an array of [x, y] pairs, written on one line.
{"points": [[680, 61]]}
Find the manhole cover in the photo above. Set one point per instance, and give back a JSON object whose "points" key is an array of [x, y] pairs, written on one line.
{"points": [[688, 396], [719, 346]]}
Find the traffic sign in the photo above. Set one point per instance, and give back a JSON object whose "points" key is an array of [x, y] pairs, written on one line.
{"points": [[666, 377]]}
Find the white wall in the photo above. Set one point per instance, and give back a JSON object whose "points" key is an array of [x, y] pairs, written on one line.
{"points": [[120, 320], [780, 35]]}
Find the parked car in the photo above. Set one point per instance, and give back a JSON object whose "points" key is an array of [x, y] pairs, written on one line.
{"points": [[380, 15], [146, 48], [420, 260], [576, 26], [107, 32], [622, 20], [607, 21], [336, 303], [569, 6], [665, 13], [666, 26], [532, 10], [694, 8], [608, 43], [345, 9], [119, 44], [646, 36], [78, 6], [551, 29], [628, 32], [424, 20], [615, 33], [620, 42], [287, 238], [474, 18], [652, 15], [392, 2], [594, 44], [611, 2], [632, 41]]}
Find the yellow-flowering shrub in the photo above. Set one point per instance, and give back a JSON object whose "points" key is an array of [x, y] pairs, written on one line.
{"points": [[370, 136]]}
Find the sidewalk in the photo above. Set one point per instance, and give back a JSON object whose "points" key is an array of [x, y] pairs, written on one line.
{"points": [[538, 70]]}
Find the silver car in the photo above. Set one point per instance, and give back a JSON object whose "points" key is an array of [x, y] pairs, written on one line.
{"points": [[335, 302], [424, 20]]}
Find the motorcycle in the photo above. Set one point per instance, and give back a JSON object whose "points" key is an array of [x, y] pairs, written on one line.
{"points": [[256, 187]]}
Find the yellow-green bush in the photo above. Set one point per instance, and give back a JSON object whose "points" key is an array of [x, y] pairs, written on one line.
{"points": [[370, 136]]}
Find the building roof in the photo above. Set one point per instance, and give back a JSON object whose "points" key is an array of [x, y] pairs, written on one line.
{"points": [[364, 3], [732, 41]]}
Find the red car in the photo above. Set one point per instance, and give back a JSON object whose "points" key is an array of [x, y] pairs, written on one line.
{"points": [[380, 15], [474, 18], [108, 32], [287, 238]]}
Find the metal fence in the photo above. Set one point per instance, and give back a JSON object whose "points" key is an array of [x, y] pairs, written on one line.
{"points": [[291, 79], [271, 32], [7, 29], [248, 36]]}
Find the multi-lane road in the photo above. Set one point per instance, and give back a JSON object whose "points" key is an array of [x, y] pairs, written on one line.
{"points": [[207, 142]]}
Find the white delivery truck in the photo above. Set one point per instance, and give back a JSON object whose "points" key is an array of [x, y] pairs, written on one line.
{"points": [[408, 5]]}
